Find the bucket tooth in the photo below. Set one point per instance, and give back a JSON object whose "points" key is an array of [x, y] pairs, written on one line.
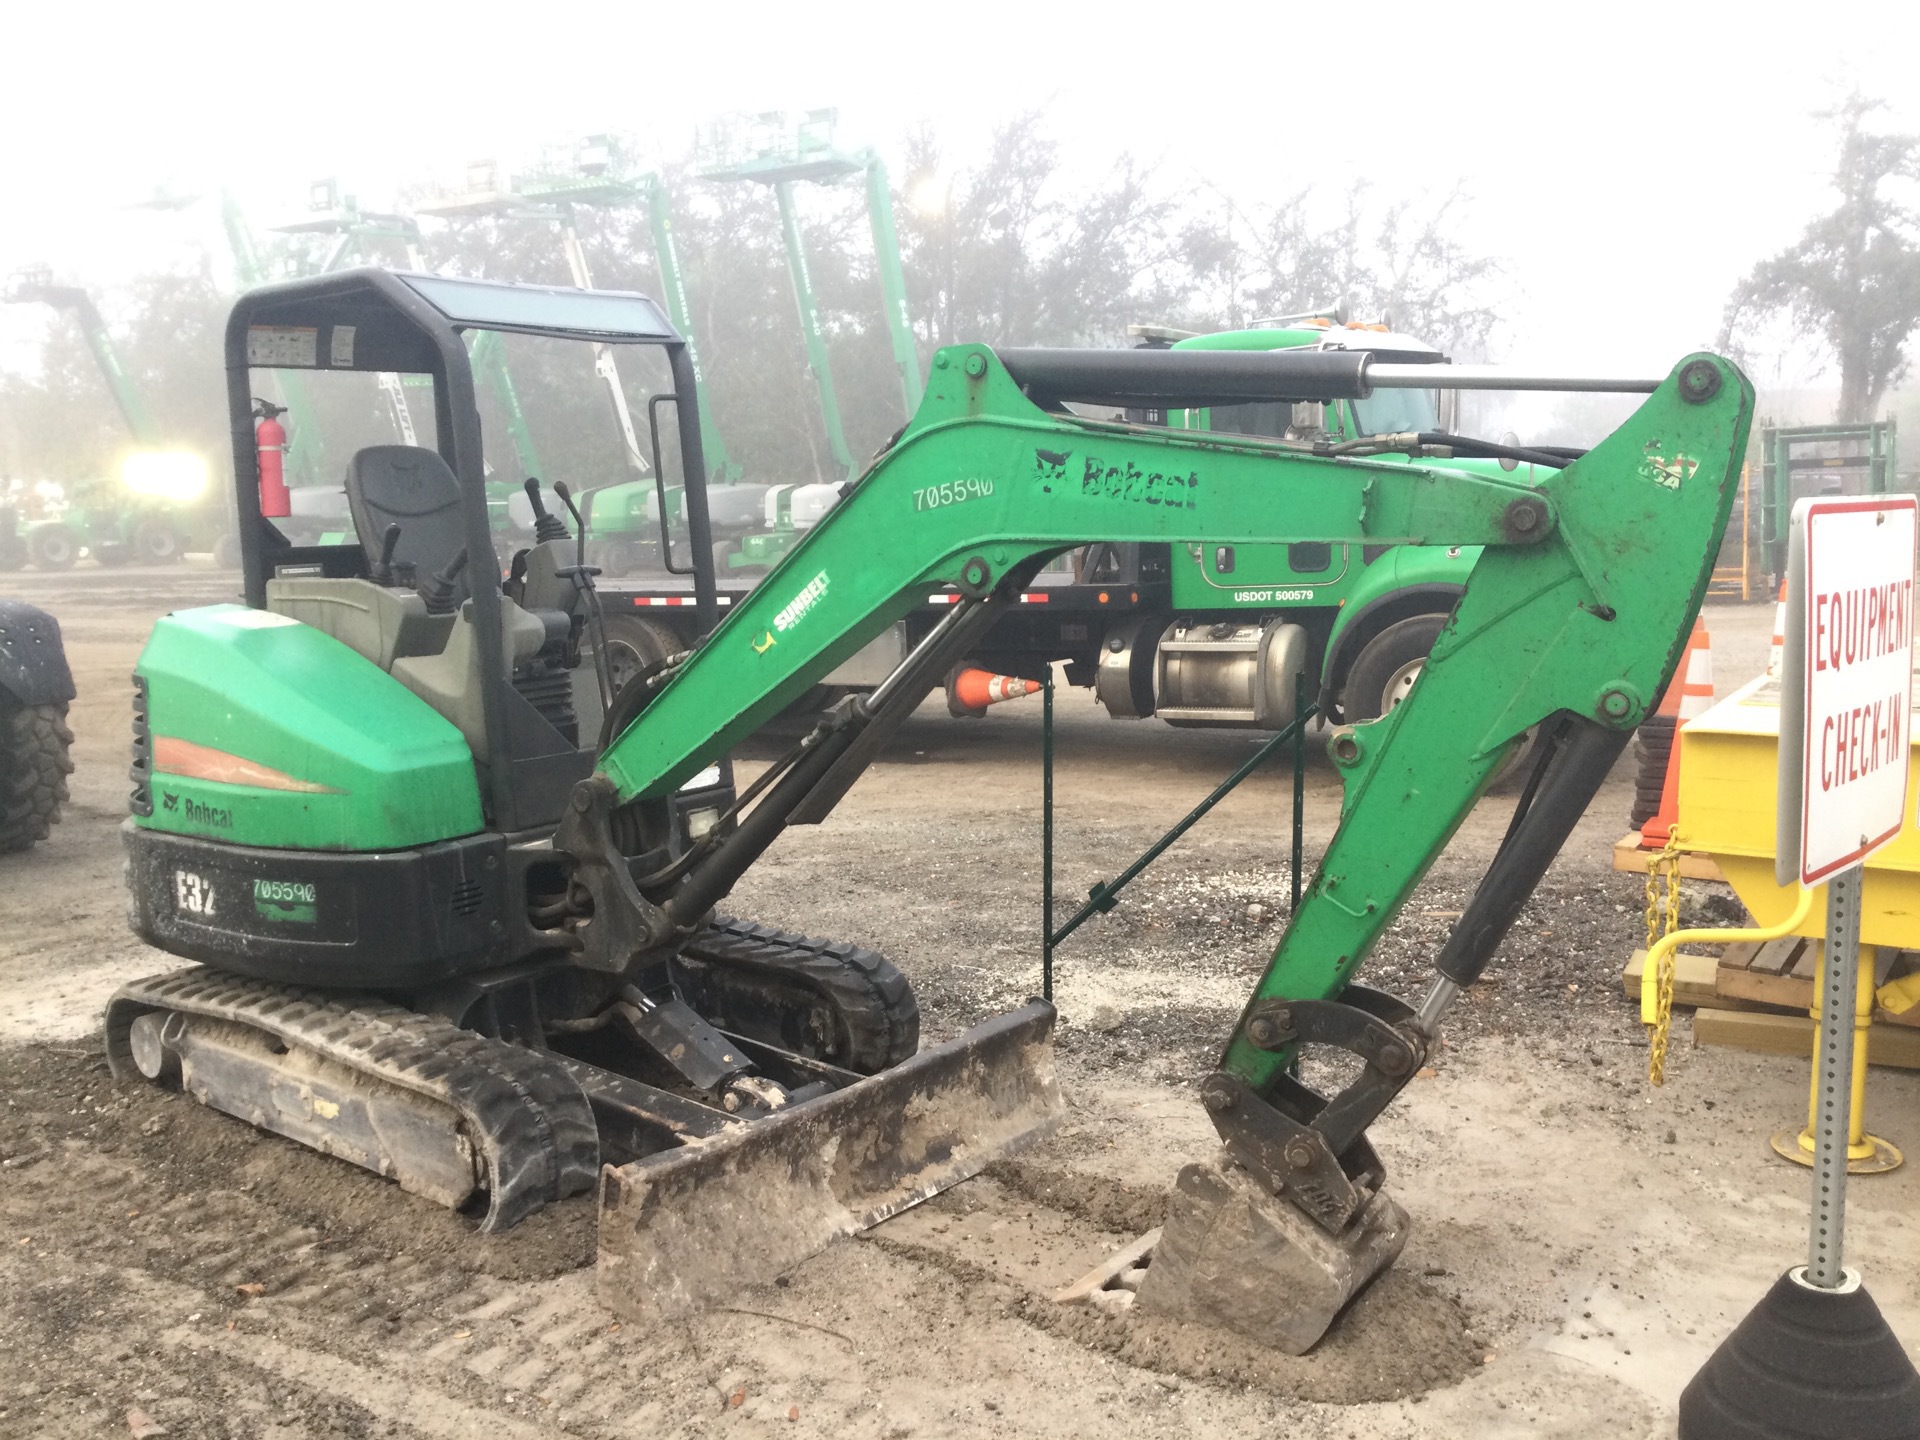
{"points": [[1236, 1258], [687, 1228]]}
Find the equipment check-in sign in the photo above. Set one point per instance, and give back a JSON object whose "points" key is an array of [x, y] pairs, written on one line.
{"points": [[1844, 732]]}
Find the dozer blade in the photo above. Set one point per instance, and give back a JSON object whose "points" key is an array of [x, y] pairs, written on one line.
{"points": [[686, 1229]]}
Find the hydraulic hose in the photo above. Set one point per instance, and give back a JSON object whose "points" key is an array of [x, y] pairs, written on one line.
{"points": [[1585, 757]]}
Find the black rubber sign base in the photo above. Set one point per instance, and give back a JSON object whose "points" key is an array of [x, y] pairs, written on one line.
{"points": [[1806, 1364]]}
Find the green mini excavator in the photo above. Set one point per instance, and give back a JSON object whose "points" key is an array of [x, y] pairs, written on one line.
{"points": [[443, 930]]}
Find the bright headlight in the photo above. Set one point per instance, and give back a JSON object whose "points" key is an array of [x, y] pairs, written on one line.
{"points": [[164, 474]]}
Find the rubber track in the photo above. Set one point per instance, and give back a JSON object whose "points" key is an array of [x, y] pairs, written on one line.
{"points": [[879, 1016], [34, 765], [527, 1116]]}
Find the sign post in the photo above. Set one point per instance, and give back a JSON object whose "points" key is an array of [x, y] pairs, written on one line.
{"points": [[1816, 1357]]}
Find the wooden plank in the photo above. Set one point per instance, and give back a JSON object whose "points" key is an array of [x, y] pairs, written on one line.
{"points": [[1109, 1269], [1806, 965], [1794, 1035], [1693, 978], [1739, 955], [1776, 957], [1631, 856], [1782, 992]]}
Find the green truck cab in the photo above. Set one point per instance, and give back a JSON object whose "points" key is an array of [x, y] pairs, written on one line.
{"points": [[1369, 613]]}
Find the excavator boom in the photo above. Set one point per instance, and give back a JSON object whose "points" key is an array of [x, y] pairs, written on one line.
{"points": [[1571, 626]]}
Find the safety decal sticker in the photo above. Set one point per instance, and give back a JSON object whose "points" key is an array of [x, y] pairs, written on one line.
{"points": [[279, 346], [1669, 474]]}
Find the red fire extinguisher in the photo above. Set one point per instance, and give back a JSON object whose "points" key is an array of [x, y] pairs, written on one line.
{"points": [[270, 437]]}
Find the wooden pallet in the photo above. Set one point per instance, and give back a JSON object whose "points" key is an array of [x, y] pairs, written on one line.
{"points": [[1633, 855], [1785, 973], [1776, 1034]]}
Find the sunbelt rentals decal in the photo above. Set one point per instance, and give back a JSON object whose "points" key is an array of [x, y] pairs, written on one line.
{"points": [[795, 610]]}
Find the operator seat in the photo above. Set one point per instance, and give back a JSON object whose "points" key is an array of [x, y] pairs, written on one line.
{"points": [[409, 486]]}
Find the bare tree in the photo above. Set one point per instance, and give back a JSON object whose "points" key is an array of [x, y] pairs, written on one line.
{"points": [[1399, 264], [1853, 278]]}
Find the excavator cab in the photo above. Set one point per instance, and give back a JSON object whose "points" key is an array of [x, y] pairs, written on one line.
{"points": [[423, 517]]}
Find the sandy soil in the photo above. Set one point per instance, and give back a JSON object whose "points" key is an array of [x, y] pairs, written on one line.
{"points": [[1580, 1243]]}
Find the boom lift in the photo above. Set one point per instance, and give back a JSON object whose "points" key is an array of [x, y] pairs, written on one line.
{"points": [[767, 150], [554, 205], [444, 936], [359, 235]]}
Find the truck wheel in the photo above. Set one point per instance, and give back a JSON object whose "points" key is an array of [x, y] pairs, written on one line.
{"points": [[1383, 674], [634, 646], [1386, 667], [34, 765], [156, 542], [226, 552], [52, 547], [618, 558]]}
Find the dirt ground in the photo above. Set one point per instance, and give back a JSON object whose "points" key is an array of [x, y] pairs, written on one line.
{"points": [[1580, 1242]]}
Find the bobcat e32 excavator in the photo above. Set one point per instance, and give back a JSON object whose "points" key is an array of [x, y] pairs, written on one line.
{"points": [[440, 932]]}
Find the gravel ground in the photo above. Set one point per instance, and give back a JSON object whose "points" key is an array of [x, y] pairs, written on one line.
{"points": [[1580, 1243]]}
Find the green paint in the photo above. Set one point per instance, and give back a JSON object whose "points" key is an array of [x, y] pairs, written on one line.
{"points": [[391, 772], [1054, 487], [1601, 604]]}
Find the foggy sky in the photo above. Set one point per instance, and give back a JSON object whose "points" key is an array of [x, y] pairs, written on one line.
{"points": [[1629, 161]]}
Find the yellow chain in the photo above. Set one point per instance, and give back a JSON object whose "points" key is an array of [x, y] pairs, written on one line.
{"points": [[1663, 918]]}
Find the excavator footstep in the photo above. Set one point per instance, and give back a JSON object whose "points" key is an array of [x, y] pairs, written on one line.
{"points": [[688, 1228], [1233, 1257]]}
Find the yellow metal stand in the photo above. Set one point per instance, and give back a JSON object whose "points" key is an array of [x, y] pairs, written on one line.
{"points": [[1656, 979], [1866, 1154]]}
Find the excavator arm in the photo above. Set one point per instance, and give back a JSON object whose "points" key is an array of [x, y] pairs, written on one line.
{"points": [[1571, 625]]}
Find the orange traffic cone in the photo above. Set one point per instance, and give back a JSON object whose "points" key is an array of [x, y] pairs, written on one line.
{"points": [[1777, 649], [1687, 698], [971, 691]]}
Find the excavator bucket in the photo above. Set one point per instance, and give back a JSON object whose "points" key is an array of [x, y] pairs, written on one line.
{"points": [[684, 1229]]}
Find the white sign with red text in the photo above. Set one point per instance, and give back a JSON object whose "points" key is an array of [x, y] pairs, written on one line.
{"points": [[1846, 682]]}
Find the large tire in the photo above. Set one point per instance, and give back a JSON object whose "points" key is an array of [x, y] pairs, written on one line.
{"points": [[226, 552], [34, 765], [1383, 674], [53, 547], [1386, 667], [156, 542], [636, 646]]}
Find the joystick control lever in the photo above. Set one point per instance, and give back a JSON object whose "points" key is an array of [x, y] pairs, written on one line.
{"points": [[438, 591], [545, 526]]}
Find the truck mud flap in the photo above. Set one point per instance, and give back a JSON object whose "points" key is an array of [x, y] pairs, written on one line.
{"points": [[686, 1229]]}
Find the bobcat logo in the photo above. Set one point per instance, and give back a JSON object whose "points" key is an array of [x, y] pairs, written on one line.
{"points": [[1050, 465], [172, 801]]}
